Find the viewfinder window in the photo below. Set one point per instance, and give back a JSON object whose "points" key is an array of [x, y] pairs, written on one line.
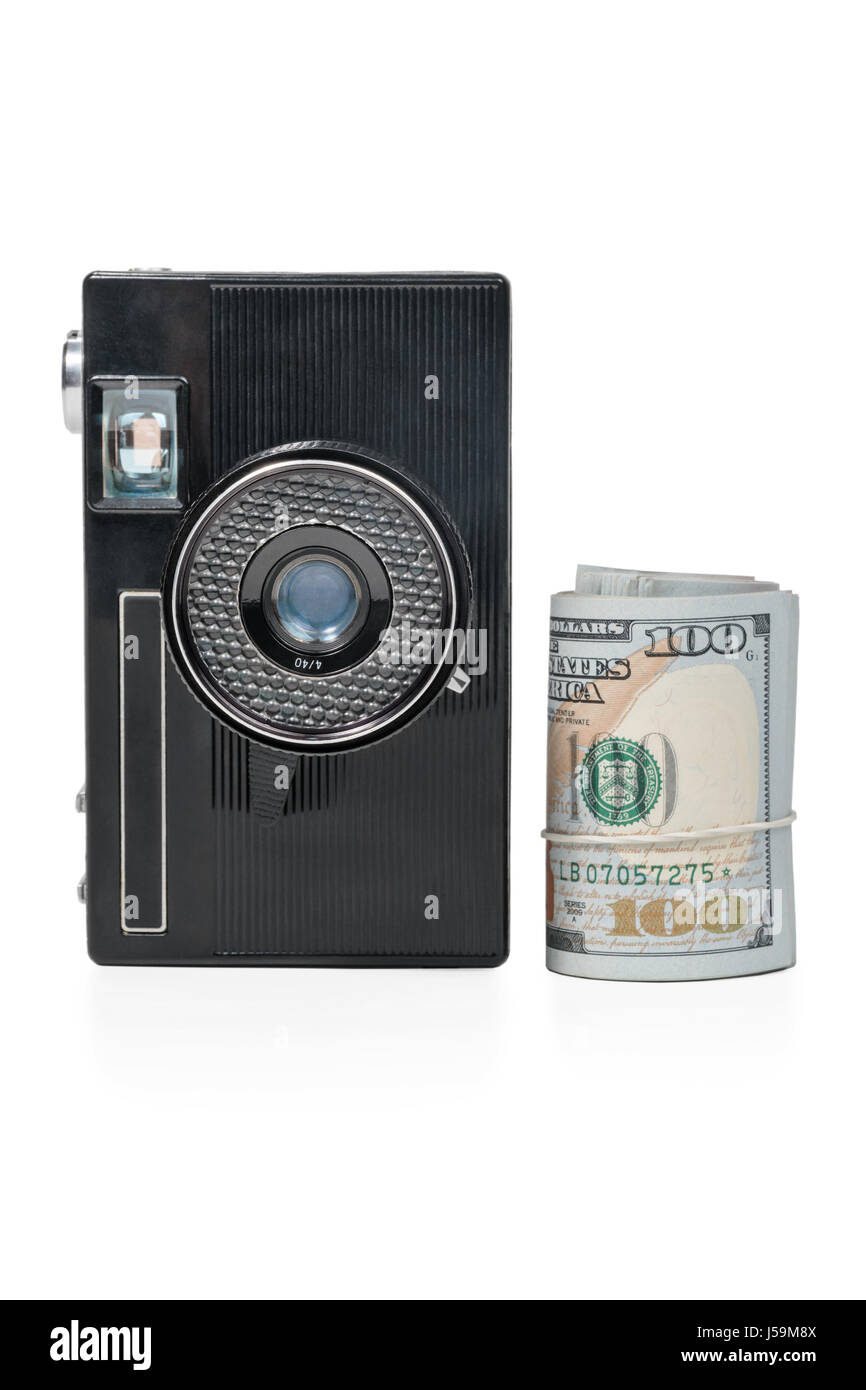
{"points": [[140, 446]]}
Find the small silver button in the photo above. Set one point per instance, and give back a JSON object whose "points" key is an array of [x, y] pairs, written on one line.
{"points": [[459, 680], [73, 379]]}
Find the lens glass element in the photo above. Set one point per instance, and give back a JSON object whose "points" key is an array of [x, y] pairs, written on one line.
{"points": [[316, 599]]}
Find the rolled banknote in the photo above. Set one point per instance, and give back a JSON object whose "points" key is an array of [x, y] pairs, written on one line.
{"points": [[671, 704]]}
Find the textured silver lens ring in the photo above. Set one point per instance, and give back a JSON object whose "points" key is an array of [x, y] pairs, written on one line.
{"points": [[235, 679]]}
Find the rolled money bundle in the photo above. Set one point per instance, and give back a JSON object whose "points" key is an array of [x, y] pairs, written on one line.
{"points": [[671, 706]]}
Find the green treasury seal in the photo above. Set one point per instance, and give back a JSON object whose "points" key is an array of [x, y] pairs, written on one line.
{"points": [[621, 781]]}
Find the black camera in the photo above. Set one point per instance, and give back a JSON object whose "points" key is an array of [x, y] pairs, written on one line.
{"points": [[297, 627]]}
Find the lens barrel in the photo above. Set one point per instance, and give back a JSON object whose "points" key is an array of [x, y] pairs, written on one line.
{"points": [[305, 552], [287, 583]]}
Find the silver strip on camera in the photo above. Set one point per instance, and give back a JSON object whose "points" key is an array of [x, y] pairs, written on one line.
{"points": [[130, 903]]}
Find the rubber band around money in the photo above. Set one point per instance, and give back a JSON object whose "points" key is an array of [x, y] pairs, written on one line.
{"points": [[672, 837]]}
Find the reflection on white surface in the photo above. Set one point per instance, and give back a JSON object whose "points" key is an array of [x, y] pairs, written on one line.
{"points": [[297, 1031]]}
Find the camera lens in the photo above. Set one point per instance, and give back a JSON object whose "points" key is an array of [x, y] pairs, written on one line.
{"points": [[291, 589], [316, 599]]}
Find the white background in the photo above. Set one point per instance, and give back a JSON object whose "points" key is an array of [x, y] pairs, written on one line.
{"points": [[676, 191]]}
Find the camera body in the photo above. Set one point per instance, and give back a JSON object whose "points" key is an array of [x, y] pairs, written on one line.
{"points": [[297, 617]]}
